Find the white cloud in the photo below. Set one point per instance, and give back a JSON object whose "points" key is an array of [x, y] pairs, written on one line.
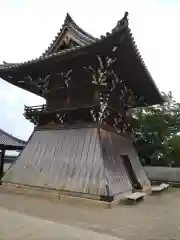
{"points": [[28, 27]]}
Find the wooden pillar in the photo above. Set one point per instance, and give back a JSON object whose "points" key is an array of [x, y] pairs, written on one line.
{"points": [[2, 164]]}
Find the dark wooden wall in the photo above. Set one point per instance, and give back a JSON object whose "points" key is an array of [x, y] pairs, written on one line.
{"points": [[75, 96]]}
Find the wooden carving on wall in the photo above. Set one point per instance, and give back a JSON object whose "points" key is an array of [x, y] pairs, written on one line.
{"points": [[42, 83], [113, 85]]}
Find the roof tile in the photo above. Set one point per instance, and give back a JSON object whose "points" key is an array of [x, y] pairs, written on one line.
{"points": [[8, 140]]}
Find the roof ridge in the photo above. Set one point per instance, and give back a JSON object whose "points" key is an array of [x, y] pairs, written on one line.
{"points": [[69, 20], [12, 137]]}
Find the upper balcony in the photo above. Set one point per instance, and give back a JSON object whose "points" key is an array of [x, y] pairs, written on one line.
{"points": [[68, 114], [42, 109], [43, 113]]}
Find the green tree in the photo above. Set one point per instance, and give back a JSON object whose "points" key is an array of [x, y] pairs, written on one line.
{"points": [[156, 132]]}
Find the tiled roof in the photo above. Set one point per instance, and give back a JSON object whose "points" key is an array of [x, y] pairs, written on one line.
{"points": [[122, 24], [8, 140], [84, 37], [121, 33]]}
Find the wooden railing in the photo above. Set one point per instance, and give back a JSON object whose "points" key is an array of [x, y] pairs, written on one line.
{"points": [[39, 108], [45, 108]]}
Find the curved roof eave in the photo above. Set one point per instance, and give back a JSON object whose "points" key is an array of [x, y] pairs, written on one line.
{"points": [[70, 24], [78, 32], [123, 23], [73, 52]]}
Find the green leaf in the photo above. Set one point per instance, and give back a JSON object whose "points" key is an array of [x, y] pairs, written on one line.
{"points": [[156, 132]]}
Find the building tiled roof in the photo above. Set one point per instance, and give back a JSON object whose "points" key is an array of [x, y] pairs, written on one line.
{"points": [[121, 25], [119, 43], [84, 37], [8, 140]]}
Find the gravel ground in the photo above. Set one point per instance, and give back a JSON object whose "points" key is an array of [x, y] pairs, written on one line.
{"points": [[156, 218], [17, 226]]}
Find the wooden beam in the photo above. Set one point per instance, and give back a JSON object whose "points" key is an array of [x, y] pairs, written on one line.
{"points": [[2, 164]]}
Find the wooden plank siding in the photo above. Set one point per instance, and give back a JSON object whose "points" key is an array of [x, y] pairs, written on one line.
{"points": [[115, 171], [61, 159], [82, 160], [123, 146]]}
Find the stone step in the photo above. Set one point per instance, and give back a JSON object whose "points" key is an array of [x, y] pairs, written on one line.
{"points": [[165, 185], [157, 188], [135, 196], [160, 188]]}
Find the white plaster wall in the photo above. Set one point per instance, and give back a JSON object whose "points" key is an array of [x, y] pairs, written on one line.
{"points": [[163, 173]]}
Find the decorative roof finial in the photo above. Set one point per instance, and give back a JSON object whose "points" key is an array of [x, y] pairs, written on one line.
{"points": [[68, 18], [126, 15], [122, 22]]}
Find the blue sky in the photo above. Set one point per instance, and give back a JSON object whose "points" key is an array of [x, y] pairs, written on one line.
{"points": [[28, 27]]}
